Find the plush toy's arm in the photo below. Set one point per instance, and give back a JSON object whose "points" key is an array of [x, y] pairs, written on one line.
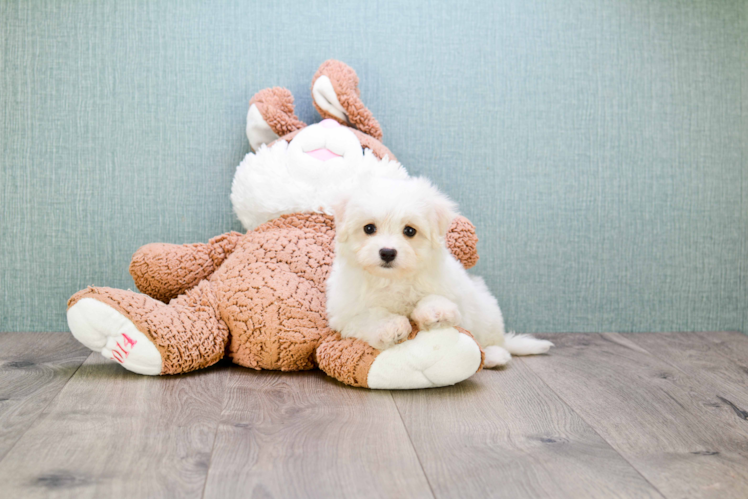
{"points": [[164, 271], [462, 241]]}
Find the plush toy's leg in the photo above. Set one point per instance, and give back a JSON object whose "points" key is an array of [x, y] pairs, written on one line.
{"points": [[433, 358], [147, 336]]}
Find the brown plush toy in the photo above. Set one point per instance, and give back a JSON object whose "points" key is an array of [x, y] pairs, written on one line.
{"points": [[259, 298]]}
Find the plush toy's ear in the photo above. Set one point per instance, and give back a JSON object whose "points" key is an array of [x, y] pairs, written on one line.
{"points": [[335, 94], [271, 115]]}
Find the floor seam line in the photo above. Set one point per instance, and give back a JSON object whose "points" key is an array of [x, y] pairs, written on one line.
{"points": [[410, 440]]}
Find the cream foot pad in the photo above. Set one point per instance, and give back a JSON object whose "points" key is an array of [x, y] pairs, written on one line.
{"points": [[105, 330]]}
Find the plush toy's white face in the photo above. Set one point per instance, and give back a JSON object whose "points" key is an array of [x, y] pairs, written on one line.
{"points": [[309, 174], [327, 142], [324, 151]]}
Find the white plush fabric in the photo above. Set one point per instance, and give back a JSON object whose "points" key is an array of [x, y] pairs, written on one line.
{"points": [[432, 359], [283, 179]]}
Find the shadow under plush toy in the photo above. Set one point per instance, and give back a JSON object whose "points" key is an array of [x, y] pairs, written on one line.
{"points": [[259, 298]]}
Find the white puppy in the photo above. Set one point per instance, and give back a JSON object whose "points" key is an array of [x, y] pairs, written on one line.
{"points": [[392, 265]]}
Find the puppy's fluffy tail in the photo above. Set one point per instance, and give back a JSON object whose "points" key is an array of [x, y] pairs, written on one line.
{"points": [[525, 345]]}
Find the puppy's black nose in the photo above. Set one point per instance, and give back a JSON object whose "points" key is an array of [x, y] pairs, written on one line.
{"points": [[387, 254]]}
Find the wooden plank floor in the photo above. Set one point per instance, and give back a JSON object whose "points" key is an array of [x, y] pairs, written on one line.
{"points": [[604, 415]]}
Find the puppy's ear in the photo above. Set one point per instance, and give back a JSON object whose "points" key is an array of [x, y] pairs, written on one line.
{"points": [[338, 211], [444, 212]]}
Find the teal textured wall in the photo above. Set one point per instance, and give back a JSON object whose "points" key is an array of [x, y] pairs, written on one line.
{"points": [[601, 147]]}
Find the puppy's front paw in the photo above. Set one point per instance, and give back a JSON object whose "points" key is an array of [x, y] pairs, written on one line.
{"points": [[436, 312], [391, 331]]}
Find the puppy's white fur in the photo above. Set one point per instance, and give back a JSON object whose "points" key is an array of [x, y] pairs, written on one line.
{"points": [[374, 300]]}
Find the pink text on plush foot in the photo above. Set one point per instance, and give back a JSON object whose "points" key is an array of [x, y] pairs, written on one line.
{"points": [[122, 352]]}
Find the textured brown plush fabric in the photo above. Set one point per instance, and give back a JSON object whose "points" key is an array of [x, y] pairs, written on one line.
{"points": [[261, 300], [463, 241], [165, 271], [272, 292], [276, 107], [345, 83], [347, 360]]}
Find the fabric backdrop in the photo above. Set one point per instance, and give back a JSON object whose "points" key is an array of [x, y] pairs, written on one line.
{"points": [[600, 147]]}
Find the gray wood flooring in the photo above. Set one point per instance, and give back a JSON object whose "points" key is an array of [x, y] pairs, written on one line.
{"points": [[604, 415]]}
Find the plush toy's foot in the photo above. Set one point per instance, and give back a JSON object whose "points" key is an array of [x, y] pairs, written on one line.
{"points": [[433, 358], [103, 329], [125, 326]]}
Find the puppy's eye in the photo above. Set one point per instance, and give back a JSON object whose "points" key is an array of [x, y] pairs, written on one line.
{"points": [[409, 231], [370, 229]]}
